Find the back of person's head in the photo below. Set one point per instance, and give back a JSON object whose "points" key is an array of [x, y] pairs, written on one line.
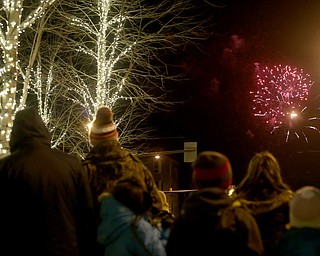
{"points": [[103, 127], [28, 124], [212, 169], [132, 193], [305, 208], [263, 174]]}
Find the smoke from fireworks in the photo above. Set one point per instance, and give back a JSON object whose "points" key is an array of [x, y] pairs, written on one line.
{"points": [[281, 99]]}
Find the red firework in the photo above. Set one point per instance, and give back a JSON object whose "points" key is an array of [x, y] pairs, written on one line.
{"points": [[281, 97]]}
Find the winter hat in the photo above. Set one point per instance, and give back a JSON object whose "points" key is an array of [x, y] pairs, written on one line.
{"points": [[103, 127], [305, 208], [212, 169]]}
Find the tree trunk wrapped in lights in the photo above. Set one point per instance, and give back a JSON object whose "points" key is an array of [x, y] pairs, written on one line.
{"points": [[13, 25]]}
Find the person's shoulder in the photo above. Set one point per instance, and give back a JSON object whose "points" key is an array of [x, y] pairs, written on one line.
{"points": [[239, 211], [126, 153], [146, 231], [104, 195], [240, 207], [64, 156], [4, 156], [304, 231], [112, 206], [61, 152], [4, 161], [134, 161]]}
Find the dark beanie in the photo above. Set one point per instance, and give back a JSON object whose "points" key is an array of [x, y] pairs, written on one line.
{"points": [[103, 127], [212, 169]]}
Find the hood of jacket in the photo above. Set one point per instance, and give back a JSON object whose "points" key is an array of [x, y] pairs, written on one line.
{"points": [[115, 220], [260, 207], [28, 127], [208, 201]]}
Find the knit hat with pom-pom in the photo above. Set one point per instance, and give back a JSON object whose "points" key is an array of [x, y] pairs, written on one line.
{"points": [[103, 127]]}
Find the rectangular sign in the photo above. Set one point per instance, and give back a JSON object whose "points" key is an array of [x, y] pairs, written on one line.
{"points": [[190, 152]]}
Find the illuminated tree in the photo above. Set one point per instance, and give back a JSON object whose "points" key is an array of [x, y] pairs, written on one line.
{"points": [[14, 22], [112, 53], [76, 56]]}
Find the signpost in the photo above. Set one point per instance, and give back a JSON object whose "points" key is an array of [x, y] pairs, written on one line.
{"points": [[190, 152]]}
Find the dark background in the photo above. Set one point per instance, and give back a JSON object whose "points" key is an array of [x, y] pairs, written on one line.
{"points": [[217, 109]]}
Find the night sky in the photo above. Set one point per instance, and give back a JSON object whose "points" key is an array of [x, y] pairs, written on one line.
{"points": [[217, 113]]}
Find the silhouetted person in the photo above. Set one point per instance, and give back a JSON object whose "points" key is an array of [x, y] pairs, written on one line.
{"points": [[107, 162], [303, 235], [46, 203], [211, 222], [265, 193]]}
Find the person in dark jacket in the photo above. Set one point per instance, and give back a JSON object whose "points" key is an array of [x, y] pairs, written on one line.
{"points": [[303, 235], [108, 161], [211, 222], [46, 202], [265, 193]]}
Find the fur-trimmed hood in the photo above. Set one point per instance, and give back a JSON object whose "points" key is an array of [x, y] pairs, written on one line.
{"points": [[259, 207]]}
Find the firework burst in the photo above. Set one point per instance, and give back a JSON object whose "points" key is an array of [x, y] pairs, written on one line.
{"points": [[281, 100]]}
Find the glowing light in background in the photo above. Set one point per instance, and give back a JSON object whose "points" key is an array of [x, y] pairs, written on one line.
{"points": [[281, 99]]}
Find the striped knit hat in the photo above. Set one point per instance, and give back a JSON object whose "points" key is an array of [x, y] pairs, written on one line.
{"points": [[103, 127], [212, 169]]}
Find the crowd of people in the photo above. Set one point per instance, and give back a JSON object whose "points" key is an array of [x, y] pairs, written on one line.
{"points": [[56, 204]]}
